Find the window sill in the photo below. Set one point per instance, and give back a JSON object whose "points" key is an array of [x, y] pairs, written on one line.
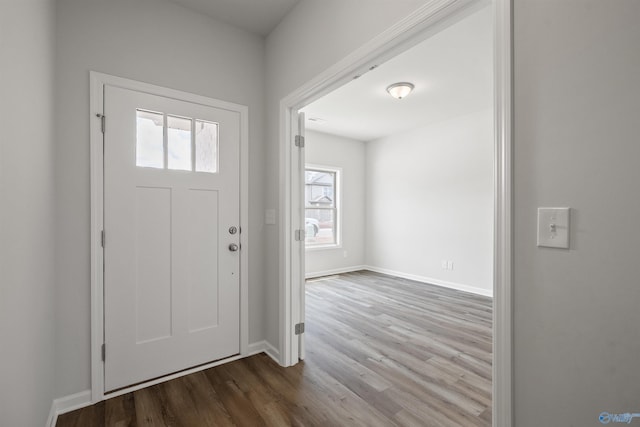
{"points": [[322, 248]]}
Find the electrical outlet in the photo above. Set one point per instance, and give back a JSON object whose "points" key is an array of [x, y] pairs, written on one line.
{"points": [[345, 254], [444, 264], [450, 265]]}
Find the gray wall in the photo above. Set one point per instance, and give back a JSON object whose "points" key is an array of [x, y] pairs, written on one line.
{"points": [[26, 212], [157, 42], [349, 155], [577, 127], [412, 199], [429, 197]]}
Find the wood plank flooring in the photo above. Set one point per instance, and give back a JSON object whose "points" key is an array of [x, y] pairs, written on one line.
{"points": [[381, 351]]}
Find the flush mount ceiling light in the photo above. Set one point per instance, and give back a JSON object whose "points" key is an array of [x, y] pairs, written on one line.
{"points": [[400, 90]]}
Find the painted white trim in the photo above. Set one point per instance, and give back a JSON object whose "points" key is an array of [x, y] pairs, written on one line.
{"points": [[502, 385], [52, 419], [97, 82], [96, 97], [334, 271], [256, 348], [322, 248], [431, 281], [244, 227], [272, 352], [264, 347], [72, 402], [419, 25], [65, 404]]}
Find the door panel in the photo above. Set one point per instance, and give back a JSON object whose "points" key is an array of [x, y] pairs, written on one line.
{"points": [[203, 310], [298, 219], [301, 221], [171, 193], [153, 267]]}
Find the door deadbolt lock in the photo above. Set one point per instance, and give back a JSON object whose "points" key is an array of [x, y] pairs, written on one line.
{"points": [[233, 247], [233, 229]]}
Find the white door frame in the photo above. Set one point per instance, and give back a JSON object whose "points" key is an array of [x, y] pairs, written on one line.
{"points": [[416, 27], [97, 82]]}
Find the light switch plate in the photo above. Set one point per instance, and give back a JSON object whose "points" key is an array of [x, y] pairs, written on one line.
{"points": [[553, 227], [270, 216]]}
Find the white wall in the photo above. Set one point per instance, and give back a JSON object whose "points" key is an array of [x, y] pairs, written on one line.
{"points": [[349, 155], [158, 42], [429, 197], [312, 37], [26, 212], [577, 127]]}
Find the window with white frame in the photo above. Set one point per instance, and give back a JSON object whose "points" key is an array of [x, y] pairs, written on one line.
{"points": [[321, 206]]}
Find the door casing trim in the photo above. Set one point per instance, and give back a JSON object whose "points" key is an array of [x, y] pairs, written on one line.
{"points": [[406, 33], [96, 140]]}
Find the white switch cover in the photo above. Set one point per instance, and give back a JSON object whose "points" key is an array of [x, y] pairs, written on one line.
{"points": [[270, 216], [553, 227]]}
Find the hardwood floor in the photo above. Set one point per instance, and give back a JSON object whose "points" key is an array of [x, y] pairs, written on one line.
{"points": [[381, 351]]}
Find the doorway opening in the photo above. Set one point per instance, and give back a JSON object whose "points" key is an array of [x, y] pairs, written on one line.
{"points": [[296, 218], [398, 210]]}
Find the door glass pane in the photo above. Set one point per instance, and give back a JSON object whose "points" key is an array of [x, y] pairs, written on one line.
{"points": [[320, 227], [206, 146], [179, 143], [149, 139]]}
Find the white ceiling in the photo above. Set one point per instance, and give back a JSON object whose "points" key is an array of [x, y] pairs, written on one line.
{"points": [[256, 16], [452, 72]]}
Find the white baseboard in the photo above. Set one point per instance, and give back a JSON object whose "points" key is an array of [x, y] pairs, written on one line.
{"points": [[334, 271], [432, 281], [256, 348], [65, 404], [264, 347], [272, 352], [53, 417]]}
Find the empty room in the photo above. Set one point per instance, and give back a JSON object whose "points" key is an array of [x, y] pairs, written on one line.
{"points": [[399, 230]]}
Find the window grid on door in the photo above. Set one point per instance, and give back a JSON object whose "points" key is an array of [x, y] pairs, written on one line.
{"points": [[174, 142]]}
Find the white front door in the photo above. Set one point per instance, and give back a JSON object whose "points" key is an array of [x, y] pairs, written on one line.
{"points": [[171, 221]]}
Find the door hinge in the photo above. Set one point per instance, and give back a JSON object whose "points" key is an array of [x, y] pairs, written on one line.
{"points": [[102, 121], [300, 141], [102, 238], [104, 352], [300, 328], [300, 235]]}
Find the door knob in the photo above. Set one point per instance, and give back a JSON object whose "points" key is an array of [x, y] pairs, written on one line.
{"points": [[233, 247]]}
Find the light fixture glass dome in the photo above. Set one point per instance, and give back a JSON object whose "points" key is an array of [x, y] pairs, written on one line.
{"points": [[400, 90]]}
